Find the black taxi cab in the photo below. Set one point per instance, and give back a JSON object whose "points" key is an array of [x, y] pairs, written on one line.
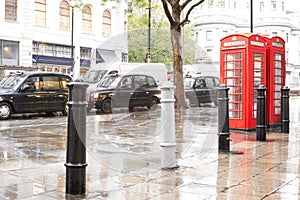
{"points": [[34, 92], [130, 90]]}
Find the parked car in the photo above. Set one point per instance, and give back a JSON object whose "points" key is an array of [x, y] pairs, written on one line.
{"points": [[130, 90], [34, 92], [201, 89]]}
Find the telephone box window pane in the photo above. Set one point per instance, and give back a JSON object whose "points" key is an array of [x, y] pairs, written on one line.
{"points": [[277, 111], [277, 87], [277, 95], [278, 103], [278, 79], [278, 56], [278, 64], [278, 72]]}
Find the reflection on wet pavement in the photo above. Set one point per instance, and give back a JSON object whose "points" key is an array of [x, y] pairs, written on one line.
{"points": [[123, 155]]}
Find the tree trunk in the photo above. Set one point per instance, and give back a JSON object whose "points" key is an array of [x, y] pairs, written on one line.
{"points": [[177, 66]]}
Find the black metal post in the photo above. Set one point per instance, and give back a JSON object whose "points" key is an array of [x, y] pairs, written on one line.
{"points": [[76, 140], [261, 123], [223, 118], [285, 109]]}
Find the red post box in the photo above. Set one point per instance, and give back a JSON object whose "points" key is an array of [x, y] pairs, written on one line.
{"points": [[243, 69], [276, 78]]}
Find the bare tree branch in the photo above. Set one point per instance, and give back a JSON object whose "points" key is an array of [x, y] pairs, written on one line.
{"points": [[186, 18], [167, 11]]}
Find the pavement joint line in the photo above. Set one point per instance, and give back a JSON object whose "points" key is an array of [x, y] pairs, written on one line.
{"points": [[30, 125], [276, 189]]}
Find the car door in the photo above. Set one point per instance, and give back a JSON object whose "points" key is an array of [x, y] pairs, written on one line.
{"points": [[213, 84], [53, 98], [123, 92], [201, 90], [140, 97], [28, 97]]}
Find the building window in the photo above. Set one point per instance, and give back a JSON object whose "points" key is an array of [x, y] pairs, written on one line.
{"points": [[197, 36], [282, 6], [287, 37], [234, 5], [86, 19], [52, 50], [210, 3], [64, 16], [208, 35], [11, 10], [273, 5], [9, 53], [225, 33], [106, 24], [85, 53], [222, 2], [261, 6], [40, 12]]}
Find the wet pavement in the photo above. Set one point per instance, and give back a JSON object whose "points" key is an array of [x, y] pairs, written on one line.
{"points": [[123, 155]]}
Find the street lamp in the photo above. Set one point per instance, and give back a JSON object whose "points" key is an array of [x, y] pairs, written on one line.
{"points": [[251, 16], [72, 4], [149, 33]]}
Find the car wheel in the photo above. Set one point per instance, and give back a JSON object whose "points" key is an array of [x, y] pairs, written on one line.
{"points": [[191, 103], [5, 111], [66, 110], [131, 108], [106, 106], [153, 103]]}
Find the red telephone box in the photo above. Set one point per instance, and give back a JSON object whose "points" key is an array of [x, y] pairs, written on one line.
{"points": [[242, 69], [276, 78]]}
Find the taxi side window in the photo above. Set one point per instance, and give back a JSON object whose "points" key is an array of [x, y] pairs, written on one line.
{"points": [[152, 82], [199, 83], [209, 82], [126, 82], [50, 83], [64, 82], [31, 84]]}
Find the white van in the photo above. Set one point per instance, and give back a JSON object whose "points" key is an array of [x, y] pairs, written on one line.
{"points": [[157, 70]]}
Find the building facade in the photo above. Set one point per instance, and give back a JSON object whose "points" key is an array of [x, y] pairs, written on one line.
{"points": [[214, 20], [40, 34]]}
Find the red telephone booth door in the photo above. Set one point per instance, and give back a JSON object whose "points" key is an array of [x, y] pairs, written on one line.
{"points": [[242, 69], [276, 79], [233, 68]]}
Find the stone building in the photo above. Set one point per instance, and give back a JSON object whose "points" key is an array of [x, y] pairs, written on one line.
{"points": [[214, 20], [38, 34]]}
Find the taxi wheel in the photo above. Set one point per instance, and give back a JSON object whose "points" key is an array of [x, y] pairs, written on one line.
{"points": [[66, 110], [106, 106], [5, 111], [153, 103]]}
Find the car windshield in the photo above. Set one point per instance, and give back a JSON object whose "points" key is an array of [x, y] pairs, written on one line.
{"points": [[188, 83], [12, 81], [94, 76], [109, 81]]}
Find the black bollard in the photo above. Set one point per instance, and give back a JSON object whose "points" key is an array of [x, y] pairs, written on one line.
{"points": [[76, 141], [285, 110], [261, 122], [223, 119]]}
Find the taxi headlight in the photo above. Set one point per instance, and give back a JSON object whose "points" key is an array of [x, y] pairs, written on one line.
{"points": [[99, 96]]}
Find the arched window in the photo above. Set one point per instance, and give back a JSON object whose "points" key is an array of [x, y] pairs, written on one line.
{"points": [[11, 10], [86, 19], [64, 16], [40, 12], [106, 24]]}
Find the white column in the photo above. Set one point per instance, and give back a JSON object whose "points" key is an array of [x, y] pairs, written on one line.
{"points": [[168, 142]]}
